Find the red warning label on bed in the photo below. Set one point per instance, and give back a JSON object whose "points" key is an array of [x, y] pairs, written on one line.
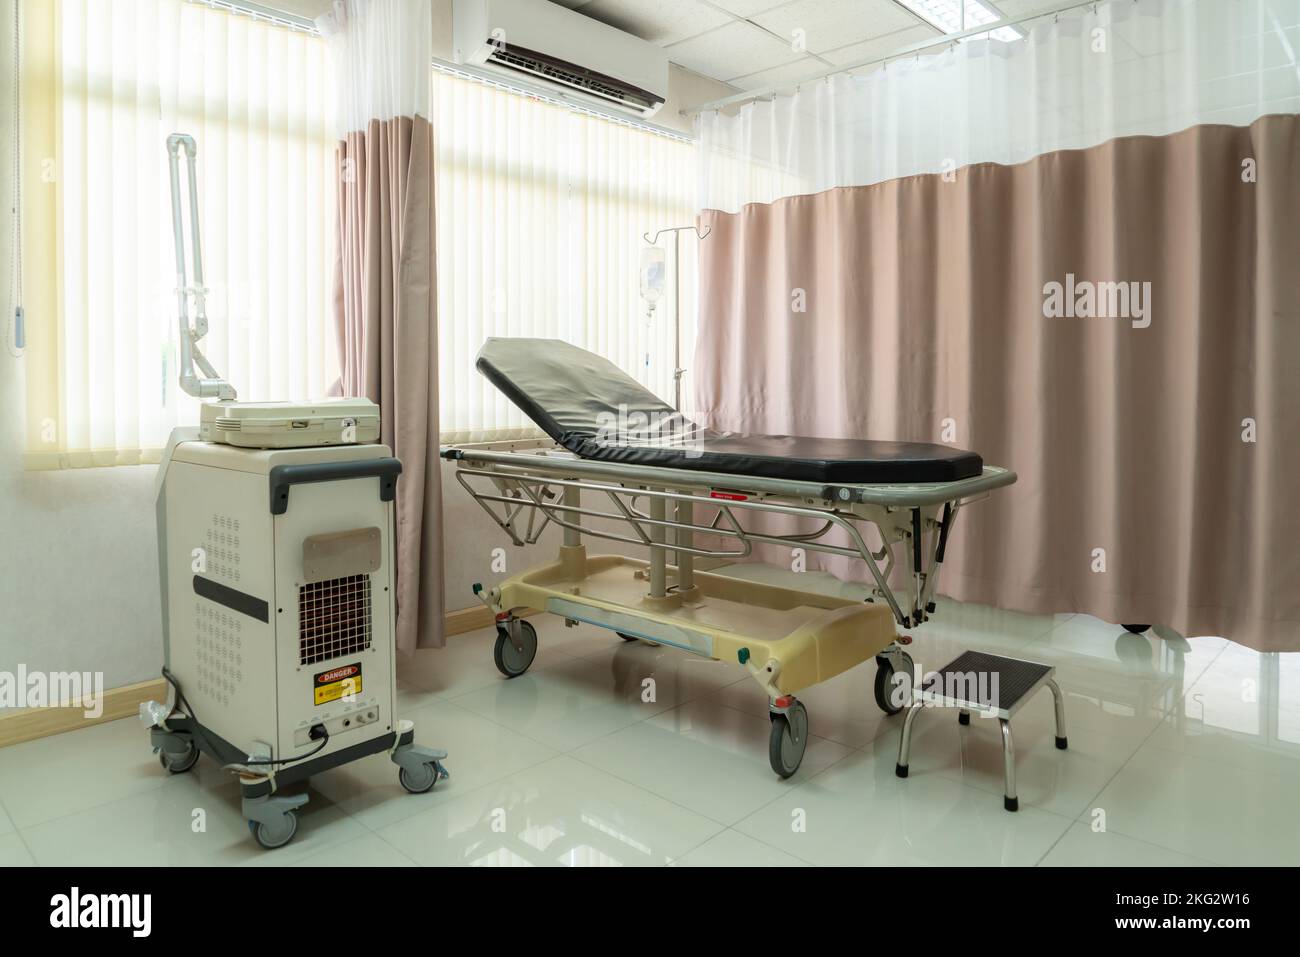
{"points": [[337, 683]]}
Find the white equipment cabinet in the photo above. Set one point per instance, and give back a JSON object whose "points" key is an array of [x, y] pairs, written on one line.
{"points": [[275, 548]]}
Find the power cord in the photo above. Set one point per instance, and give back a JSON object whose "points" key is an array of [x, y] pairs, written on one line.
{"points": [[318, 732]]}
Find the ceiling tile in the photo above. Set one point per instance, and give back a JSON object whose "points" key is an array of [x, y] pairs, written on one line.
{"points": [[662, 22], [737, 49], [1017, 8], [828, 24], [790, 73], [880, 46], [745, 8]]}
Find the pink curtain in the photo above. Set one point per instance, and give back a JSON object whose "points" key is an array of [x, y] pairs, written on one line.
{"points": [[1156, 462], [385, 301]]}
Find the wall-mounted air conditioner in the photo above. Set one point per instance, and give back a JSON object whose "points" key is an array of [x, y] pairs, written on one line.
{"points": [[548, 45]]}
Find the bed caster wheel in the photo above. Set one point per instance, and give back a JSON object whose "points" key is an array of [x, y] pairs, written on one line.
{"points": [[421, 780], [1137, 629], [788, 740], [512, 661], [963, 717], [278, 834], [891, 696], [179, 763]]}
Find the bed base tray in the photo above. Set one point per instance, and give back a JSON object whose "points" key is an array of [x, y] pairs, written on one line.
{"points": [[788, 639]]}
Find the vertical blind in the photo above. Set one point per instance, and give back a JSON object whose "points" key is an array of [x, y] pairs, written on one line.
{"points": [[257, 97], [541, 212]]}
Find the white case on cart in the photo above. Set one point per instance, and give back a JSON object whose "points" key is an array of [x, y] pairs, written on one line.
{"points": [[290, 425]]}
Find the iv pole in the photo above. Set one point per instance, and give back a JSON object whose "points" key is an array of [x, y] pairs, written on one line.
{"points": [[677, 231]]}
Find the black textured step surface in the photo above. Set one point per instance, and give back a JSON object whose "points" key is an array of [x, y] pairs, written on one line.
{"points": [[964, 673]]}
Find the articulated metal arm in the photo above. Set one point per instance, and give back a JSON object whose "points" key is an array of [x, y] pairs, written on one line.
{"points": [[210, 384]]}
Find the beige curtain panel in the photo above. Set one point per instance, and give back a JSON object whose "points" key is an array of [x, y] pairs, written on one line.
{"points": [[385, 278], [1119, 324]]}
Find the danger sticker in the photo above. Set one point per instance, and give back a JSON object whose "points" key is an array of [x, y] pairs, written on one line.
{"points": [[338, 683]]}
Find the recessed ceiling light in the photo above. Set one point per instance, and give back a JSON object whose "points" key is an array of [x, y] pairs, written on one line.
{"points": [[956, 16]]}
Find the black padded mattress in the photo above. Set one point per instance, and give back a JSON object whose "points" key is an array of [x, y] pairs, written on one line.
{"points": [[595, 410]]}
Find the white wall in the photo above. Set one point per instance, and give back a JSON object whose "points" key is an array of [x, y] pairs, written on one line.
{"points": [[78, 570]]}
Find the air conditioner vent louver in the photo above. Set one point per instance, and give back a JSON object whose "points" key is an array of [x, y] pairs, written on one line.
{"points": [[565, 74], [333, 618], [543, 47]]}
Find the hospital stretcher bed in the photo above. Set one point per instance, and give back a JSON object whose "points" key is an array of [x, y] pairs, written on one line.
{"points": [[689, 493]]}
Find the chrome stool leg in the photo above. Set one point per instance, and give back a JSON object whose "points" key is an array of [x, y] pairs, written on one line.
{"points": [[905, 745], [1010, 801], [1059, 701]]}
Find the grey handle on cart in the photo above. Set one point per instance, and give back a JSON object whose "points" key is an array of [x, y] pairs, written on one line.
{"points": [[284, 476]]}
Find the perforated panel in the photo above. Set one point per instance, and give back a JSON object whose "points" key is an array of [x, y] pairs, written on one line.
{"points": [[219, 650], [222, 547], [333, 618]]}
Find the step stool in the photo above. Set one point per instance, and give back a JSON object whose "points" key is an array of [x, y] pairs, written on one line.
{"points": [[993, 686]]}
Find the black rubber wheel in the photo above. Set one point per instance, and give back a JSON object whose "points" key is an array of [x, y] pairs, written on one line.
{"points": [[788, 740], [420, 782], [511, 661], [627, 637], [886, 689], [179, 764], [1137, 629], [275, 835]]}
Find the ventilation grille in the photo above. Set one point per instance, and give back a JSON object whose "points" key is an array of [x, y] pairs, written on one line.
{"points": [[219, 651], [333, 618], [566, 74], [222, 552], [226, 424]]}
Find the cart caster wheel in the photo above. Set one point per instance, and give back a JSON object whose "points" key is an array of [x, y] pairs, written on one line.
{"points": [[179, 764], [627, 637], [271, 836], [1137, 629], [887, 691], [788, 740], [510, 661], [423, 780]]}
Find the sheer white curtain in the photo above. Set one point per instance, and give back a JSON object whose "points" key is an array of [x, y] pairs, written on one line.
{"points": [[541, 211], [1129, 67], [258, 98]]}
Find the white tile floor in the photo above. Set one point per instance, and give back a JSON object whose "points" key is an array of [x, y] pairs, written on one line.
{"points": [[1181, 752]]}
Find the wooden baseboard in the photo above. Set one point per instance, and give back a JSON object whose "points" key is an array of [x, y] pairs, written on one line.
{"points": [[43, 722], [472, 619], [125, 701], [466, 619]]}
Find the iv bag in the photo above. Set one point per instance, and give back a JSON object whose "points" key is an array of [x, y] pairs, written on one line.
{"points": [[652, 274]]}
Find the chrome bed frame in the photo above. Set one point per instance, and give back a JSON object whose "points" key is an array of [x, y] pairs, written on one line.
{"points": [[513, 486]]}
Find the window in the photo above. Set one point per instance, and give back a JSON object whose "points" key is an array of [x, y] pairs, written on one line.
{"points": [[540, 215], [118, 77]]}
